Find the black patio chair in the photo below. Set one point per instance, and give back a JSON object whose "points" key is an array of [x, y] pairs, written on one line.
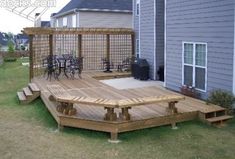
{"points": [[76, 65], [107, 65], [51, 67], [126, 64]]}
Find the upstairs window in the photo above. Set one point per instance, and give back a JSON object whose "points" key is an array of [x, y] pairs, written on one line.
{"points": [[65, 22], [74, 21], [137, 7]]}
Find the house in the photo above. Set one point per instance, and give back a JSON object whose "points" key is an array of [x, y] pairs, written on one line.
{"points": [[94, 13], [3, 41], [39, 23], [199, 42], [45, 24], [22, 42], [148, 22]]}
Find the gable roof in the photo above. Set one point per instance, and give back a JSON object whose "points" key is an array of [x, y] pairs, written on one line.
{"points": [[22, 36], [97, 5]]}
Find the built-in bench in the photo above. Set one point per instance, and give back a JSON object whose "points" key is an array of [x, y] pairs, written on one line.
{"points": [[66, 101]]}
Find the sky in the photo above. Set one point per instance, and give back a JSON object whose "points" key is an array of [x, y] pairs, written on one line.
{"points": [[11, 22]]}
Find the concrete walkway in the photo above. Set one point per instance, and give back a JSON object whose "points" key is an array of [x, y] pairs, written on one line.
{"points": [[129, 83]]}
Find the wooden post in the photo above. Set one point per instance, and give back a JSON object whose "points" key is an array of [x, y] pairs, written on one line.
{"points": [[51, 44], [172, 110], [133, 45], [113, 136], [108, 54], [79, 45], [31, 57]]}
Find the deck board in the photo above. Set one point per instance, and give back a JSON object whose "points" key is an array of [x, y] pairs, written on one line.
{"points": [[91, 87]]}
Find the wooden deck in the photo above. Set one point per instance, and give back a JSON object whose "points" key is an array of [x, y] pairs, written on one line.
{"points": [[92, 117]]}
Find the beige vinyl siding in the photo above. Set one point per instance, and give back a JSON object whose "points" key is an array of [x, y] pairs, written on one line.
{"points": [[105, 19]]}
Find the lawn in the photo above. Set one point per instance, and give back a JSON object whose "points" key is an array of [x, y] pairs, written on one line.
{"points": [[29, 132]]}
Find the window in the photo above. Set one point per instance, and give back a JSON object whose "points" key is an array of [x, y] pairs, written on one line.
{"points": [[137, 48], [74, 21], [57, 23], [137, 7], [65, 21], [194, 65]]}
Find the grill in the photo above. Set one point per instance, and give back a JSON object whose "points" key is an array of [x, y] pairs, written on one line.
{"points": [[140, 69]]}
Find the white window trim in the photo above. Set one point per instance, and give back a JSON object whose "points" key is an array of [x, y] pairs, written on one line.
{"points": [[138, 47], [194, 64], [139, 28], [234, 57], [165, 61], [137, 4]]}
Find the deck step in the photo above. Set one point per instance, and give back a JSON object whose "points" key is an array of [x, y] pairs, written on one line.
{"points": [[33, 87], [21, 96], [27, 92], [220, 118]]}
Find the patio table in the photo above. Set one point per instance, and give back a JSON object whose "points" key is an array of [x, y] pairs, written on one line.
{"points": [[64, 63]]}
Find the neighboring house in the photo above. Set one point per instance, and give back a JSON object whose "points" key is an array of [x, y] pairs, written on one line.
{"points": [[199, 42], [3, 41], [95, 13], [45, 24], [148, 24], [22, 42]]}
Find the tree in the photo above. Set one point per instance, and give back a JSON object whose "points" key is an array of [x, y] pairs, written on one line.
{"points": [[11, 48], [10, 36]]}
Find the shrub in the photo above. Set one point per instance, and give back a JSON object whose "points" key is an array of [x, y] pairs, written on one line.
{"points": [[9, 59], [10, 53], [222, 98]]}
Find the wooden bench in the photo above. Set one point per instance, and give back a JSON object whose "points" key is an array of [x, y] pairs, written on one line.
{"points": [[66, 101]]}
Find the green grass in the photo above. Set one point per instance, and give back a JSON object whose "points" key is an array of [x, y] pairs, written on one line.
{"points": [[33, 126]]}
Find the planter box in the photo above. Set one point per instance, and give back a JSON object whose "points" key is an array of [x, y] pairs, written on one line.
{"points": [[189, 91]]}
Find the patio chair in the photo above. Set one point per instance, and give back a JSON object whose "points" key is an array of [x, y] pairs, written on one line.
{"points": [[52, 68], [76, 65], [125, 64], [107, 65]]}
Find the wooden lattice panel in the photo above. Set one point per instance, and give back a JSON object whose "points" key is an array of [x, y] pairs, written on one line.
{"points": [[92, 44]]}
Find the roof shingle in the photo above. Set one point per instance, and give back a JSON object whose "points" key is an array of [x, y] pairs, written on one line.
{"points": [[111, 5]]}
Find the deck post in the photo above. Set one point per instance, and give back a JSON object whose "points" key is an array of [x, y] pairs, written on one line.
{"points": [[133, 45], [108, 54], [51, 44], [60, 127], [114, 138], [31, 57], [172, 110], [79, 45]]}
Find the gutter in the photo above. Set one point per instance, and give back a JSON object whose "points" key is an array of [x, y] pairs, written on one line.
{"points": [[92, 10], [65, 13]]}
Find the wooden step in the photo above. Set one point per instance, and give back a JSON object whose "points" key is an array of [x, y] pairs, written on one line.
{"points": [[27, 92], [33, 87], [22, 98], [220, 118]]}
